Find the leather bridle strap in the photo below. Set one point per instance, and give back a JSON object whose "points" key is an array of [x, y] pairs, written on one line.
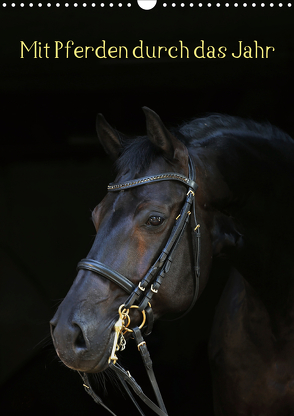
{"points": [[106, 271], [126, 379], [90, 391], [123, 374], [142, 347]]}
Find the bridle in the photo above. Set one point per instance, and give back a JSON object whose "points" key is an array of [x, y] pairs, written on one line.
{"points": [[140, 296]]}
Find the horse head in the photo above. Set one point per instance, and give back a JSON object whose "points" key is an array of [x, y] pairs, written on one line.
{"points": [[135, 222]]}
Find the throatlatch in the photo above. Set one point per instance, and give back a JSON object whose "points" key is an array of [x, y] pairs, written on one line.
{"points": [[140, 296]]}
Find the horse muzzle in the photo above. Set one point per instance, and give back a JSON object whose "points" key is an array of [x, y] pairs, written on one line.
{"points": [[81, 348]]}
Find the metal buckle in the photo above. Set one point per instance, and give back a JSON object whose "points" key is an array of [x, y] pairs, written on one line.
{"points": [[190, 192], [140, 345]]}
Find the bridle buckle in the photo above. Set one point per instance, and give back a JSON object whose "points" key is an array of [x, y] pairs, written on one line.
{"points": [[190, 192]]}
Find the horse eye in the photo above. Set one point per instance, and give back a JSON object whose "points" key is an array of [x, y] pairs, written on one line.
{"points": [[155, 221]]}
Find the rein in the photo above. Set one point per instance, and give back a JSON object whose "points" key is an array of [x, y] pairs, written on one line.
{"points": [[140, 296]]}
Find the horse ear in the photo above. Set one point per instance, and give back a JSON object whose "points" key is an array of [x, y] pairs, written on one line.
{"points": [[108, 137], [162, 138]]}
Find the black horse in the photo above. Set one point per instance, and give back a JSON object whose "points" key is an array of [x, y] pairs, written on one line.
{"points": [[244, 206]]}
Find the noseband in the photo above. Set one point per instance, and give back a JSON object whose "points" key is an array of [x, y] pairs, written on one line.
{"points": [[140, 296]]}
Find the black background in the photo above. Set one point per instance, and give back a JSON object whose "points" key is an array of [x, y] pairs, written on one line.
{"points": [[53, 171]]}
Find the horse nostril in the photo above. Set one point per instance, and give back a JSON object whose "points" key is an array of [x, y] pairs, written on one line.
{"points": [[80, 340]]}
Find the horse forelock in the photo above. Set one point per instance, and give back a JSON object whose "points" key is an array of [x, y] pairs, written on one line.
{"points": [[137, 155]]}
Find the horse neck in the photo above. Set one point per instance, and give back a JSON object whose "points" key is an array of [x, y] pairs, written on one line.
{"points": [[250, 193]]}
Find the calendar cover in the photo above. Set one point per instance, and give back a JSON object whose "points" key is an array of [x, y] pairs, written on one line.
{"points": [[62, 63]]}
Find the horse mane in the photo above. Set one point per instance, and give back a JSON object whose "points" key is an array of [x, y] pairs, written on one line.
{"points": [[214, 125], [138, 153]]}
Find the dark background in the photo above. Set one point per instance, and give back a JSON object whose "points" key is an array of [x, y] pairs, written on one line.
{"points": [[53, 173]]}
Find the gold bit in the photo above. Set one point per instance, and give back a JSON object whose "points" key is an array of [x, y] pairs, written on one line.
{"points": [[117, 329]]}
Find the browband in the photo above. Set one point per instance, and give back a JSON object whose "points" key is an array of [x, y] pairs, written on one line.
{"points": [[169, 176]]}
